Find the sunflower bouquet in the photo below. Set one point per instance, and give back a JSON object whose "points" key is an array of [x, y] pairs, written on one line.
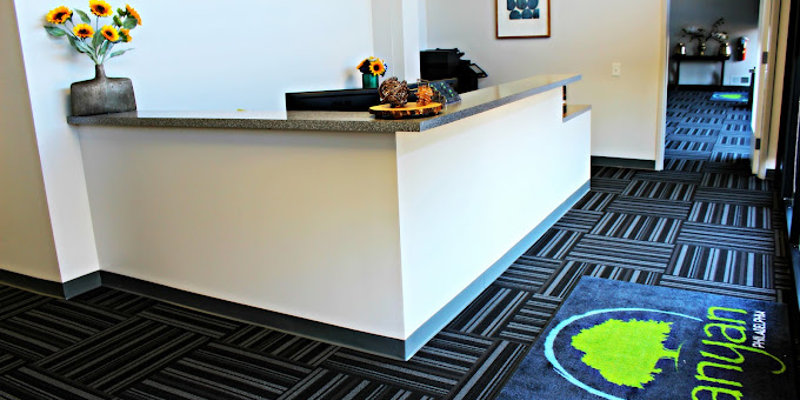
{"points": [[373, 66], [96, 41]]}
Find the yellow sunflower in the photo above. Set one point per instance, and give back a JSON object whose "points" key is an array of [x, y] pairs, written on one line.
{"points": [[133, 13], [83, 31], [59, 15], [125, 34], [100, 8], [110, 33], [377, 68]]}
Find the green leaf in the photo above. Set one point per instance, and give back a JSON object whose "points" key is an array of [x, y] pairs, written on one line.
{"points": [[97, 39], [118, 53], [130, 23], [84, 17], [117, 21], [104, 48], [79, 45], [55, 31]]}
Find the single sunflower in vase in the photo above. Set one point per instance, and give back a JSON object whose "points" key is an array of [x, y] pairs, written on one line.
{"points": [[371, 68]]}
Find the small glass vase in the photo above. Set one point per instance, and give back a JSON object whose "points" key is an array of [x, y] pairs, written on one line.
{"points": [[369, 81]]}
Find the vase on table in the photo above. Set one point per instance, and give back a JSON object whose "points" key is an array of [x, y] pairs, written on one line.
{"points": [[369, 81], [102, 95]]}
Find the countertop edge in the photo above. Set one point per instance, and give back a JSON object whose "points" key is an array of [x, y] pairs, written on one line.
{"points": [[131, 119]]}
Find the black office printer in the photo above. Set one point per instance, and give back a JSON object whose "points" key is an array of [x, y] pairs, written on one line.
{"points": [[436, 64]]}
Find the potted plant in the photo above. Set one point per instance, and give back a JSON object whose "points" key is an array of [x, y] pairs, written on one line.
{"points": [[370, 68], [97, 40], [702, 36]]}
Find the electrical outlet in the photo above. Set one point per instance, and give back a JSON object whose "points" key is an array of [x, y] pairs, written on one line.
{"points": [[616, 69]]}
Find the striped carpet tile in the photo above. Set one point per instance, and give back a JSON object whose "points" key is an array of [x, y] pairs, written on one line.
{"points": [[14, 301], [684, 165], [490, 372], [688, 155], [554, 244], [594, 201], [723, 266], [530, 319], [747, 292], [609, 185], [528, 273], [653, 207], [192, 321], [578, 220], [735, 181], [9, 362], [736, 127], [52, 327], [734, 196], [690, 178], [119, 301], [673, 138], [283, 345], [659, 190], [695, 131], [326, 384], [624, 274], [693, 146], [638, 227], [216, 371], [487, 314], [613, 173], [727, 155], [728, 237], [648, 256], [32, 383], [117, 357], [741, 141], [735, 215]]}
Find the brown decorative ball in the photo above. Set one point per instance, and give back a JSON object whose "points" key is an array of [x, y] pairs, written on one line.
{"points": [[394, 92]]}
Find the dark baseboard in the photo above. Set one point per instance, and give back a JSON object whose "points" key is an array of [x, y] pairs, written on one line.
{"points": [[362, 341], [623, 162]]}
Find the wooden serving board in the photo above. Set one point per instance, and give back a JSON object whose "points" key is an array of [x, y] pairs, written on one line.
{"points": [[386, 111]]}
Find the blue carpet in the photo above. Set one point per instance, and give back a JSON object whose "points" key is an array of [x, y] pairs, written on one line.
{"points": [[621, 340]]}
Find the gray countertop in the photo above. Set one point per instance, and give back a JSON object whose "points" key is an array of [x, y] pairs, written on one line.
{"points": [[471, 103]]}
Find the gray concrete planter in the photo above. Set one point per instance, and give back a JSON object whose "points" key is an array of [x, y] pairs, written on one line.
{"points": [[102, 95]]}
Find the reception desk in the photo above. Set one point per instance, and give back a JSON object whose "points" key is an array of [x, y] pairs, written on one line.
{"points": [[366, 233]]}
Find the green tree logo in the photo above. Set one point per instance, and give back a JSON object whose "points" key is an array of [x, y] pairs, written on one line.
{"points": [[626, 353]]}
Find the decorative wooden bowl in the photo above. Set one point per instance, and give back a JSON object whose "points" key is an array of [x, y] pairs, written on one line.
{"points": [[385, 111]]}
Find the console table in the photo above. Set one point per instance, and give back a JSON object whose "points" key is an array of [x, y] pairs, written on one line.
{"points": [[680, 58]]}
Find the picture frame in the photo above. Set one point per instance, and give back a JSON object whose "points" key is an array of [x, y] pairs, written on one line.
{"points": [[516, 19]]}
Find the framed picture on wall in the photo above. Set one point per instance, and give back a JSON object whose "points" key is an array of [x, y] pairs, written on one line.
{"points": [[523, 19]]}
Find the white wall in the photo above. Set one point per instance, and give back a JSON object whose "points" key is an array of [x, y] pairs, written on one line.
{"points": [[741, 18], [26, 241], [185, 58], [587, 36]]}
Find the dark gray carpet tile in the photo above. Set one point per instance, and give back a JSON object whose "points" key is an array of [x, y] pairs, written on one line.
{"points": [[14, 301], [529, 321], [736, 127], [736, 140], [653, 207], [562, 283], [283, 345], [217, 371], [718, 288], [693, 146], [728, 156], [9, 362], [734, 215], [35, 384], [659, 190], [594, 201], [733, 196], [696, 131], [608, 185], [638, 227], [684, 165], [688, 155], [490, 372], [603, 250], [528, 273], [723, 266], [691, 178], [554, 244], [578, 220], [117, 300], [781, 242], [728, 237], [614, 173], [735, 181], [114, 359], [325, 384], [783, 275], [193, 321], [51, 327], [671, 139], [487, 314], [741, 167]]}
